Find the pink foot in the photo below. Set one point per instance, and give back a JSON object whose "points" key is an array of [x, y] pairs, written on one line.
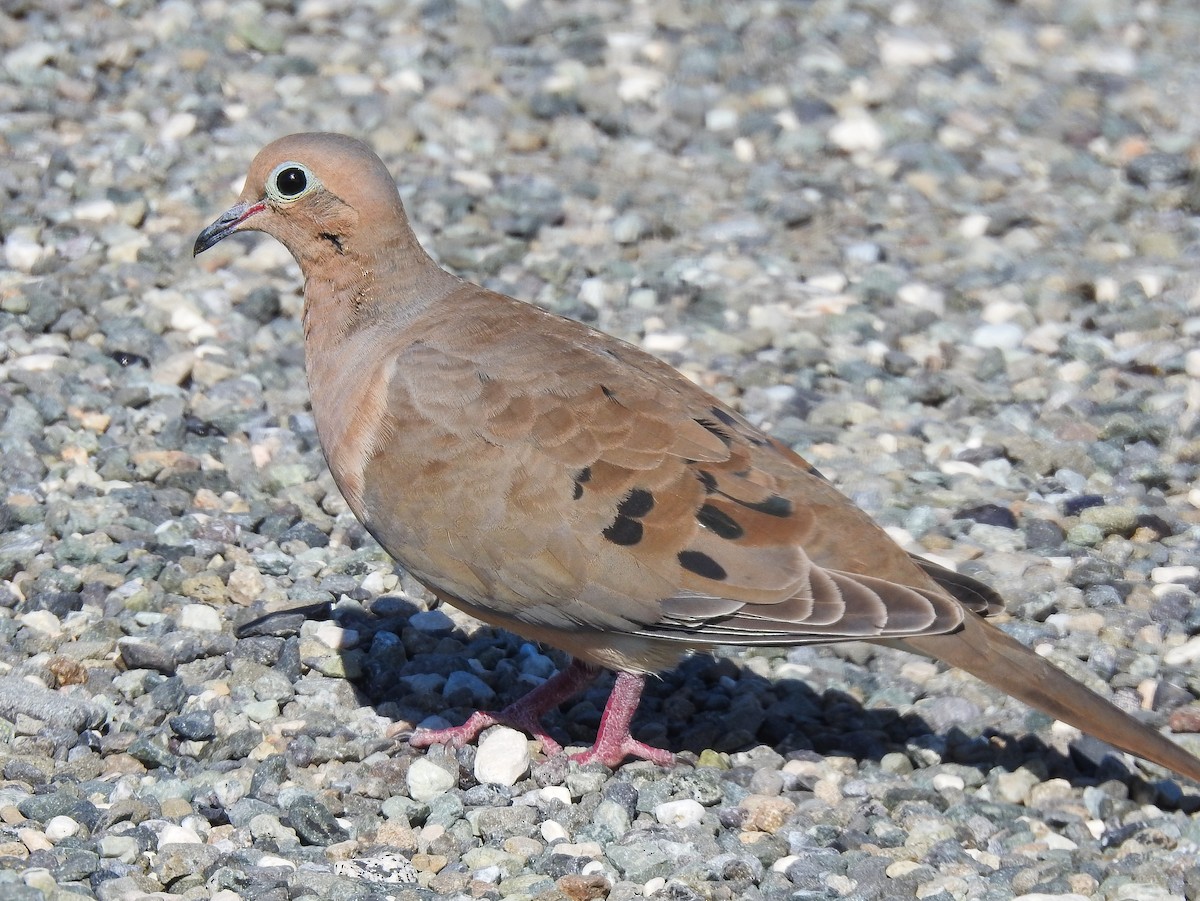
{"points": [[613, 741], [525, 713]]}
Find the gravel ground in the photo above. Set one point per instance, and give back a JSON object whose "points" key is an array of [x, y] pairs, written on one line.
{"points": [[947, 249]]}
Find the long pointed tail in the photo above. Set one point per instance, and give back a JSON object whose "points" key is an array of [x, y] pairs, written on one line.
{"points": [[989, 654]]}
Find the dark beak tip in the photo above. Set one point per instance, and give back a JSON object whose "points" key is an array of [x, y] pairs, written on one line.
{"points": [[224, 226]]}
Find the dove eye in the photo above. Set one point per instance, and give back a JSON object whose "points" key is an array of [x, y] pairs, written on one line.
{"points": [[290, 181]]}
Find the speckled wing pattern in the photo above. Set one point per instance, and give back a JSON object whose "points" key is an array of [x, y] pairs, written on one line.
{"points": [[607, 493]]}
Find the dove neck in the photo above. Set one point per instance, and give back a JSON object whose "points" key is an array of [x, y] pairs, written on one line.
{"points": [[384, 284]]}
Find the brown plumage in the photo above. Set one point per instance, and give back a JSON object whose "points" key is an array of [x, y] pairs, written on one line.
{"points": [[562, 484]]}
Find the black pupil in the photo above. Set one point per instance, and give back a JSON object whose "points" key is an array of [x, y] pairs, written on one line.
{"points": [[291, 182]]}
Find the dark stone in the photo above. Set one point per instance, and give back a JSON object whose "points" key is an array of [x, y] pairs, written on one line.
{"points": [[152, 753], [307, 533], [1157, 169], [1073, 506], [989, 515], [169, 694], [314, 823], [1042, 533], [198, 725]]}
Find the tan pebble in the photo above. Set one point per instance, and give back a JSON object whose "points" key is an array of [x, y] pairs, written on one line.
{"points": [[766, 814], [34, 840], [10, 816], [67, 671], [584, 888], [429, 863]]}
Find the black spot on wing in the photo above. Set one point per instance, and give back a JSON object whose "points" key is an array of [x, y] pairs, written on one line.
{"points": [[624, 531], [775, 505], [721, 523], [578, 492], [636, 504], [702, 565], [708, 480], [608, 392]]}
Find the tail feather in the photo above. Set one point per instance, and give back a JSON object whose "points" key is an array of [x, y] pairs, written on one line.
{"points": [[991, 655]]}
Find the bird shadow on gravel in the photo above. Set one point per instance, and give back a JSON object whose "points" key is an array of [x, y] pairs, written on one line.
{"points": [[708, 702]]}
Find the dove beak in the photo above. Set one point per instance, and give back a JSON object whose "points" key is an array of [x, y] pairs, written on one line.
{"points": [[225, 225]]}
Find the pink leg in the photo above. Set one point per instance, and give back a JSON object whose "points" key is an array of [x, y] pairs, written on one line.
{"points": [[613, 741], [525, 713]]}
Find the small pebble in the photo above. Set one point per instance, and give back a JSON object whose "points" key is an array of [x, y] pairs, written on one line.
{"points": [[502, 757], [426, 780], [684, 814], [61, 827]]}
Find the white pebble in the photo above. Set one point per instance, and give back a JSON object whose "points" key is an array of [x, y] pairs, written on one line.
{"points": [[379, 582], [645, 299], [911, 52], [1163, 574], [653, 885], [594, 292], [502, 757], [664, 342], [272, 860], [684, 813], [948, 782], [178, 127], [199, 618], [95, 210], [61, 827], [1184, 655], [857, 131], [42, 621], [177, 835], [427, 780], [974, 225], [828, 282], [721, 119], [923, 297], [22, 250], [554, 832], [558, 793], [1002, 335], [28, 56], [334, 636]]}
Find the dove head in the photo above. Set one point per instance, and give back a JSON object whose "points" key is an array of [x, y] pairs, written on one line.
{"points": [[316, 193]]}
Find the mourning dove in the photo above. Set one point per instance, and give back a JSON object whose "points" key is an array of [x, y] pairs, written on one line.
{"points": [[557, 482]]}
